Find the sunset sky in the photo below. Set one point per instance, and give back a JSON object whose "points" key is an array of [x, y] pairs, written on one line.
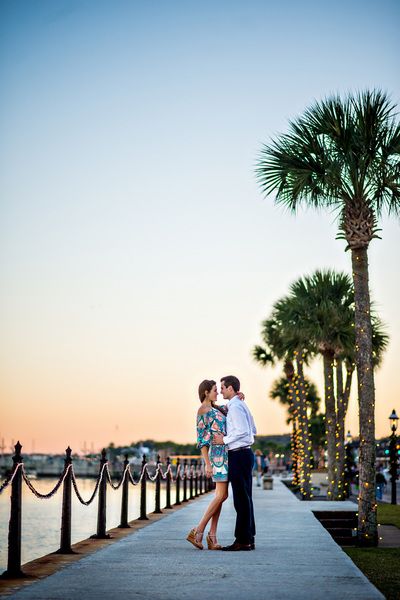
{"points": [[137, 254]]}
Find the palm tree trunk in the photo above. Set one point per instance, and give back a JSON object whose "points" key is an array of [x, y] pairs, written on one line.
{"points": [[295, 462], [367, 519], [339, 432], [288, 369], [304, 434], [330, 422], [343, 396]]}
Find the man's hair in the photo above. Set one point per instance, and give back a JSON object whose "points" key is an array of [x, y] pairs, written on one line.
{"points": [[231, 380]]}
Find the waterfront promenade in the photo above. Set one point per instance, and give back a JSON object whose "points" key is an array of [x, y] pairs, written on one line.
{"points": [[295, 558]]}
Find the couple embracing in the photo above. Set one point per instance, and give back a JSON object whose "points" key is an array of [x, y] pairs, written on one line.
{"points": [[225, 435]]}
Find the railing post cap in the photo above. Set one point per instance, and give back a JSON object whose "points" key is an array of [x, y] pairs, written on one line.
{"points": [[17, 457], [68, 453]]}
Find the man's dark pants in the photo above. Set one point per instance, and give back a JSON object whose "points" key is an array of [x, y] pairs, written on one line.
{"points": [[240, 469]]}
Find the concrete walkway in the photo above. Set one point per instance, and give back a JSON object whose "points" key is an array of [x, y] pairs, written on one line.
{"points": [[295, 558]]}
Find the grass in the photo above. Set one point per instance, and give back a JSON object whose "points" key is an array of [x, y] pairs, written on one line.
{"points": [[389, 514], [381, 566]]}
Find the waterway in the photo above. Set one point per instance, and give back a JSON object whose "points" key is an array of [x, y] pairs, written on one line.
{"points": [[41, 519]]}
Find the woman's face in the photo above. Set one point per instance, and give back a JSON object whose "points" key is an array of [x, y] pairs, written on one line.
{"points": [[212, 395]]}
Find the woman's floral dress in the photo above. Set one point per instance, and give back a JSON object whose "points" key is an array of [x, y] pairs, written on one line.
{"points": [[214, 421]]}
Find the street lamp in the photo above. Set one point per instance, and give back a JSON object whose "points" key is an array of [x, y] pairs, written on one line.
{"points": [[393, 455], [348, 465]]}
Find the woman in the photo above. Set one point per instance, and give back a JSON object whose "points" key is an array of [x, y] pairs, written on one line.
{"points": [[211, 419]]}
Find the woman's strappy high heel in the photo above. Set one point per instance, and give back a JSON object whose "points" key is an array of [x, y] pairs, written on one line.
{"points": [[195, 537], [212, 542]]}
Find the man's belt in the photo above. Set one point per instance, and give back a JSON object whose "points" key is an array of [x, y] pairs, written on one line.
{"points": [[241, 448]]}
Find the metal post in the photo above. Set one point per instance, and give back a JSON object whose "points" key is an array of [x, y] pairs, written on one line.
{"points": [[201, 478], [158, 486], [143, 507], [65, 538], [14, 530], [184, 499], [168, 485], [178, 481], [393, 465], [191, 481], [196, 479], [102, 506], [124, 501]]}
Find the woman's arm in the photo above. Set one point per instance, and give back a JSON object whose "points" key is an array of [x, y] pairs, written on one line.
{"points": [[204, 453]]}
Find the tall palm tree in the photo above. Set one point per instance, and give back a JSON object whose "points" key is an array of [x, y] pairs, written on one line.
{"points": [[344, 154], [323, 302], [285, 343], [380, 340], [280, 391]]}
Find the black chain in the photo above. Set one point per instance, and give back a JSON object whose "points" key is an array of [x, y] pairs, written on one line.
{"points": [[10, 478], [92, 497], [121, 481], [52, 492]]}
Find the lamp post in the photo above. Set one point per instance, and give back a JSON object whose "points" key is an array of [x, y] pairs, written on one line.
{"points": [[348, 466], [393, 455]]}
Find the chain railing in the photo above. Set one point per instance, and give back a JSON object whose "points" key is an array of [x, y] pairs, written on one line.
{"points": [[193, 473]]}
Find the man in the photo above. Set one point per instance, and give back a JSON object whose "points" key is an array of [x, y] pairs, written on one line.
{"points": [[240, 436]]}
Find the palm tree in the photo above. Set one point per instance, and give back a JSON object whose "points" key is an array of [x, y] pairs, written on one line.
{"points": [[380, 340], [323, 303], [280, 391], [344, 154], [286, 344]]}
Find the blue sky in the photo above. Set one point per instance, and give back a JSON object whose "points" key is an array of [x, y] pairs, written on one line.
{"points": [[137, 253]]}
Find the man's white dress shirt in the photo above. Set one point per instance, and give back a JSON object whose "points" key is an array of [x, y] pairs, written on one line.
{"points": [[240, 425]]}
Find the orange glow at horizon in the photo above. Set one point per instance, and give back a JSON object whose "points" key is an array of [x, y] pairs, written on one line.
{"points": [[48, 418]]}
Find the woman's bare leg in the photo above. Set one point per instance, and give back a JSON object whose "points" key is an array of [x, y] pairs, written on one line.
{"points": [[214, 521], [214, 508]]}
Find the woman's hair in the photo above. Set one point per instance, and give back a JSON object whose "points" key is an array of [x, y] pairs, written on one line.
{"points": [[205, 386]]}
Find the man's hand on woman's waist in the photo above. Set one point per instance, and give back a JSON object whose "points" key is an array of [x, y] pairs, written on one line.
{"points": [[217, 439]]}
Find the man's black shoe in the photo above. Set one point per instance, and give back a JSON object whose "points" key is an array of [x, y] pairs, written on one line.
{"points": [[236, 547], [253, 546]]}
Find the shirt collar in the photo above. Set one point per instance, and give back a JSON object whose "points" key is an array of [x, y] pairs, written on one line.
{"points": [[233, 398]]}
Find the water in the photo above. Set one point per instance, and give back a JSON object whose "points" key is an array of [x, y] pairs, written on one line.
{"points": [[41, 519]]}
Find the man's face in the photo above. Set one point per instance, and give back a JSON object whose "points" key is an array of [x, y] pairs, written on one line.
{"points": [[227, 392]]}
